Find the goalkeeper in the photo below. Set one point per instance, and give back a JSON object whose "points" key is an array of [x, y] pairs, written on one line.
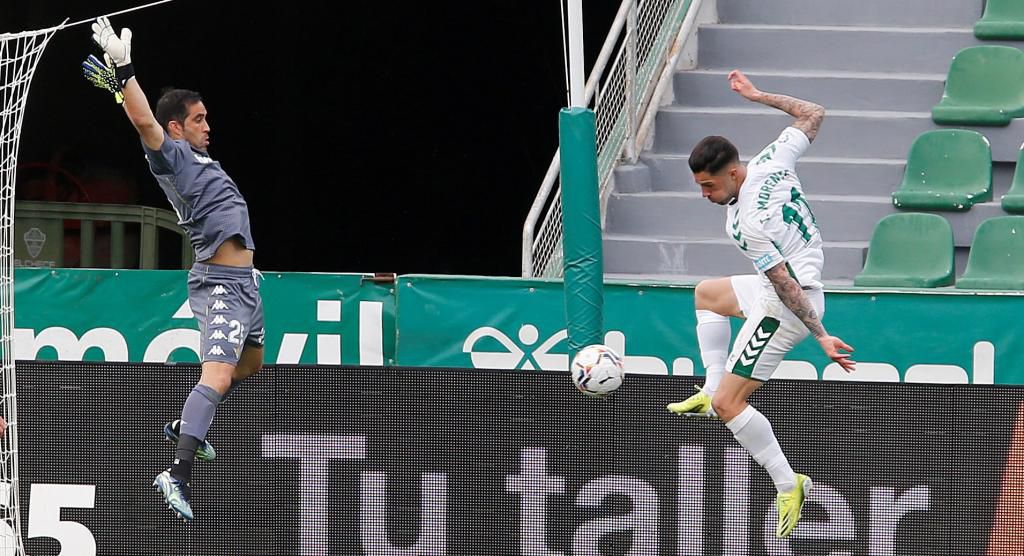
{"points": [[223, 286]]}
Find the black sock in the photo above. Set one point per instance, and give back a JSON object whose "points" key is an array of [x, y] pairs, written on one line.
{"points": [[181, 469]]}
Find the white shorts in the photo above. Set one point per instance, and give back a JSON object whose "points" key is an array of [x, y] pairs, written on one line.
{"points": [[770, 330]]}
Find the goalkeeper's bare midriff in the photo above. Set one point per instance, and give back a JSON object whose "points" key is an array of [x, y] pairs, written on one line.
{"points": [[231, 253]]}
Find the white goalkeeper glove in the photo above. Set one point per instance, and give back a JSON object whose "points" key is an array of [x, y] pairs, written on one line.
{"points": [[119, 49]]}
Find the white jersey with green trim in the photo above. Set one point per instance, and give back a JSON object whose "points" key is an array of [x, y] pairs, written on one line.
{"points": [[770, 221]]}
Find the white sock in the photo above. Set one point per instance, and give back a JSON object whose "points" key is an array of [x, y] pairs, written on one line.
{"points": [[713, 336], [753, 431]]}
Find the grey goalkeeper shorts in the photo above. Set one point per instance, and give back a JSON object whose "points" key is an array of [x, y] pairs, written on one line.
{"points": [[226, 301]]}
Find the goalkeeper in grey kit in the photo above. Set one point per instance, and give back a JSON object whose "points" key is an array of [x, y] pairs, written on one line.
{"points": [[223, 286]]}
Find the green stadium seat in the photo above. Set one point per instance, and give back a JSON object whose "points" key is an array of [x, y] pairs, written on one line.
{"points": [[1002, 20], [996, 261], [985, 86], [1013, 201], [947, 169], [909, 249]]}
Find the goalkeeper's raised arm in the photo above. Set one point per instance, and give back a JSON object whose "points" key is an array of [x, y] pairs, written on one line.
{"points": [[118, 50]]}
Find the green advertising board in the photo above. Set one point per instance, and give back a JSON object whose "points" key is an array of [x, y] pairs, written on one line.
{"points": [[508, 323], [143, 315], [944, 336], [947, 337]]}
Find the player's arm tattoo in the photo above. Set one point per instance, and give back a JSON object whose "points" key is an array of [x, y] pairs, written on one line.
{"points": [[794, 298], [808, 114]]}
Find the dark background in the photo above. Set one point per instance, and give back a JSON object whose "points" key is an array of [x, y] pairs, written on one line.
{"points": [[365, 136]]}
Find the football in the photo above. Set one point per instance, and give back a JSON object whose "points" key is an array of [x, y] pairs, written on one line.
{"points": [[597, 371]]}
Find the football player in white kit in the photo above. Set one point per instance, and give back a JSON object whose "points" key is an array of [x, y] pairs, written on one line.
{"points": [[772, 224]]}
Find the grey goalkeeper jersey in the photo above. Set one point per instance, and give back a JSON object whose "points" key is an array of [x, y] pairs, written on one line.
{"points": [[208, 204]]}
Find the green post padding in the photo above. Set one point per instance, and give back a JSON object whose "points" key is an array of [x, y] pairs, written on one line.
{"points": [[581, 221], [1003, 20], [985, 86], [947, 169], [1013, 201], [996, 261], [909, 250]]}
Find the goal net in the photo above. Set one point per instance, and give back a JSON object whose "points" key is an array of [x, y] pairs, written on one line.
{"points": [[19, 55]]}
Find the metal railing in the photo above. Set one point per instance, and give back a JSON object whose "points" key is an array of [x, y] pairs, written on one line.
{"points": [[646, 38], [150, 220]]}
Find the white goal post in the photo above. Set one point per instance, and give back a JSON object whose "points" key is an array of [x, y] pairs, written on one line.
{"points": [[19, 55]]}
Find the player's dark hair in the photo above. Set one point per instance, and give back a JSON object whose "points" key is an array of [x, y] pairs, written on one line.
{"points": [[174, 105], [712, 154]]}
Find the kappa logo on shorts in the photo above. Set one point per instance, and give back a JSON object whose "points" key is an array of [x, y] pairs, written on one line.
{"points": [[218, 335], [215, 350], [219, 290], [219, 306], [219, 319]]}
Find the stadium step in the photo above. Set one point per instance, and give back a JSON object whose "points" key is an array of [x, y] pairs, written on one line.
{"points": [[832, 48], [866, 176], [820, 175], [908, 92], [844, 133], [840, 217], [880, 13], [626, 254]]}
